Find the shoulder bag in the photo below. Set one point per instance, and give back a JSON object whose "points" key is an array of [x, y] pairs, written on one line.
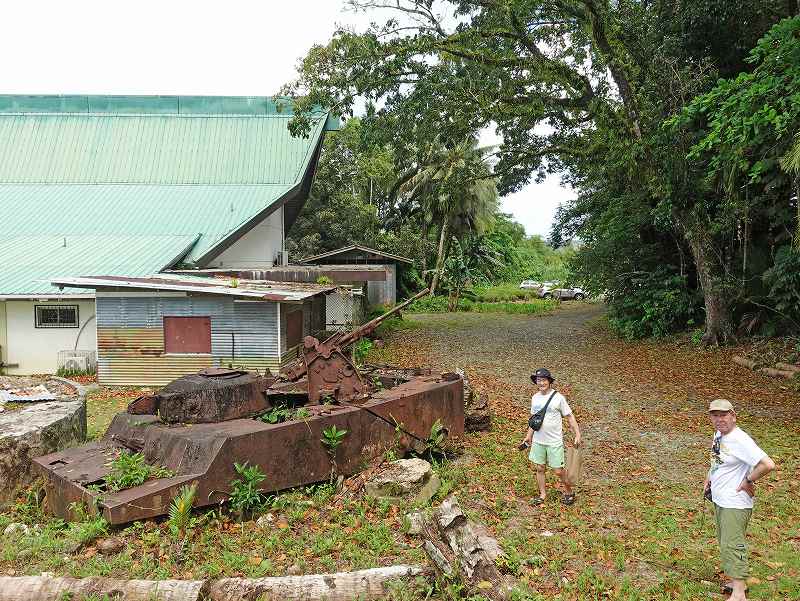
{"points": [[537, 419]]}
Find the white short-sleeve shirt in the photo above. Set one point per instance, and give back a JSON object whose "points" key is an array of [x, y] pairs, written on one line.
{"points": [[738, 455], [551, 433]]}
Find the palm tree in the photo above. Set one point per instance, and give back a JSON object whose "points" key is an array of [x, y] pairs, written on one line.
{"points": [[791, 164], [453, 187]]}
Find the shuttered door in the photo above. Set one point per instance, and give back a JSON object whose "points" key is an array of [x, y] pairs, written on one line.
{"points": [[294, 328], [187, 335]]}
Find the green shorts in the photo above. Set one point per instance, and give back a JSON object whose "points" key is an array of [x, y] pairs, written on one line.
{"points": [[731, 530], [543, 454]]}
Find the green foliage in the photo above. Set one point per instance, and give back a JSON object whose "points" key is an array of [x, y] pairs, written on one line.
{"points": [[440, 304], [281, 413], [436, 438], [669, 132], [332, 437], [324, 280], [246, 495], [131, 469], [63, 372], [783, 280], [653, 305], [361, 350], [180, 510], [428, 304], [276, 414], [85, 526]]}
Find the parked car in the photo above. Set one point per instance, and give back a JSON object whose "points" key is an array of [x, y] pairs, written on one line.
{"points": [[553, 290], [528, 284]]}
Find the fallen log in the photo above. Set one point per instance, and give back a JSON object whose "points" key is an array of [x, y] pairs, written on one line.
{"points": [[788, 367], [744, 362], [776, 373], [342, 586], [453, 542], [53, 588]]}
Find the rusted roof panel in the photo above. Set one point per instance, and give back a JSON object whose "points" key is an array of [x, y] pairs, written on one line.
{"points": [[249, 289]]}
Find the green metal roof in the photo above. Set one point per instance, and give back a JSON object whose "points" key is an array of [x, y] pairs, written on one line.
{"points": [[30, 262], [151, 149], [107, 167]]}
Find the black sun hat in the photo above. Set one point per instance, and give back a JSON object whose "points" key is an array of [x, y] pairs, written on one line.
{"points": [[542, 373]]}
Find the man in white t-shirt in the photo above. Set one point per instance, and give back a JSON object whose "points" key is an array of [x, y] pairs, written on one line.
{"points": [[736, 463], [547, 443]]}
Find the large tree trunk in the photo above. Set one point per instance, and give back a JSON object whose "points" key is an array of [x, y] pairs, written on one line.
{"points": [[719, 325], [440, 256], [424, 249], [342, 586]]}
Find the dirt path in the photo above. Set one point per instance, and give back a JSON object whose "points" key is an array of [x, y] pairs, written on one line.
{"points": [[640, 524]]}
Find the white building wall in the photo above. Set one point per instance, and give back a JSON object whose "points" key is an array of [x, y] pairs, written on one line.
{"points": [[36, 349], [3, 337], [257, 248]]}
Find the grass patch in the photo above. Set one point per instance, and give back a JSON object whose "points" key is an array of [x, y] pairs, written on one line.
{"points": [[505, 292], [438, 304]]}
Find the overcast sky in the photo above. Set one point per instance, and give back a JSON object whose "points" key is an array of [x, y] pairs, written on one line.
{"points": [[237, 47]]}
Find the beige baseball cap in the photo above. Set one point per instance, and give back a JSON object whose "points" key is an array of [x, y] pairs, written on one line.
{"points": [[720, 405]]}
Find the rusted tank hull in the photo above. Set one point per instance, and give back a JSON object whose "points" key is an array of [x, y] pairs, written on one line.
{"points": [[289, 453]]}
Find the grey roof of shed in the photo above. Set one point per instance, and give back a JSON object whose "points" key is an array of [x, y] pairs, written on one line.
{"points": [[250, 289]]}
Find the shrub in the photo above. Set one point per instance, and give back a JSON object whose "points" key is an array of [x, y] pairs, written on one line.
{"points": [[653, 304], [361, 350], [246, 496], [428, 304], [783, 280]]}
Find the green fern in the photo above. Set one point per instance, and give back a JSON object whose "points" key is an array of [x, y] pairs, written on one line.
{"points": [[180, 511]]}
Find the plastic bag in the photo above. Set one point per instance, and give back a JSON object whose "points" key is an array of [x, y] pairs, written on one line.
{"points": [[574, 465]]}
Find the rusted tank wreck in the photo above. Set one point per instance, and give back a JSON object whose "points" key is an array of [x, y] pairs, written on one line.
{"points": [[200, 424]]}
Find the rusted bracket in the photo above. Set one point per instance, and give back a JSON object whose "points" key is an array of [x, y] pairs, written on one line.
{"points": [[330, 373]]}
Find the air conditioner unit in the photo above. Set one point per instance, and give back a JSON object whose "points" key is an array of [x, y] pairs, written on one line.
{"points": [[75, 364]]}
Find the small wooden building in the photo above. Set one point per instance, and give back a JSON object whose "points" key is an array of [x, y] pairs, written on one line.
{"points": [[380, 270], [152, 330]]}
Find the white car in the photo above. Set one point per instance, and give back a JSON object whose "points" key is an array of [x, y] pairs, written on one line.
{"points": [[552, 290], [527, 284]]}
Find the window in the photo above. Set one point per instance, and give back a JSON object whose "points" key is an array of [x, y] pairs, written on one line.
{"points": [[187, 335], [56, 316]]}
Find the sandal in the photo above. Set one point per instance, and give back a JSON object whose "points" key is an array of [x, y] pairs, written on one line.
{"points": [[727, 588], [568, 499], [537, 501]]}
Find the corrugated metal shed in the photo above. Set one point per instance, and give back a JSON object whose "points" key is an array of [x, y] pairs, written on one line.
{"points": [[130, 337], [27, 267], [144, 166]]}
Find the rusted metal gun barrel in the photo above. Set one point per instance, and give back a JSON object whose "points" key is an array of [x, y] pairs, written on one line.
{"points": [[370, 326], [341, 340]]}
